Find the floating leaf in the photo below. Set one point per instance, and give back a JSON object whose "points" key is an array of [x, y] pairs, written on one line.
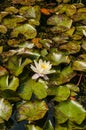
{"points": [[31, 86], [11, 10], [65, 76], [15, 65], [5, 109], [5, 84], [23, 2], [12, 22], [26, 29], [62, 93], [79, 65], [33, 127], [31, 110], [58, 57], [70, 110], [79, 16], [64, 24], [72, 47], [60, 39], [48, 125], [3, 14], [3, 29]]}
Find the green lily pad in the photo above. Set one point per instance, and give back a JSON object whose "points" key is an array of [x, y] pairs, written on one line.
{"points": [[70, 110], [33, 127], [59, 127], [70, 32], [11, 10], [30, 12], [15, 64], [23, 2], [71, 47], [5, 109], [26, 29], [48, 125], [82, 10], [60, 39], [3, 14], [62, 94], [80, 16], [3, 29], [5, 84], [79, 65], [13, 22], [31, 86], [65, 76], [84, 44], [10, 95], [58, 57], [64, 24], [31, 110]]}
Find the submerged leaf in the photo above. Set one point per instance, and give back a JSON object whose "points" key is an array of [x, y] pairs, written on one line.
{"points": [[26, 29], [31, 110]]}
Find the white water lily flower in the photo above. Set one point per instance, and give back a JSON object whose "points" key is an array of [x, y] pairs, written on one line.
{"points": [[41, 69]]}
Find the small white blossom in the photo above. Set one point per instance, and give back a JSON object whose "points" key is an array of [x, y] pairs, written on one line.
{"points": [[41, 69]]}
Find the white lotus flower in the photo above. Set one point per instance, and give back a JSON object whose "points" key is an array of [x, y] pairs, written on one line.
{"points": [[41, 69]]}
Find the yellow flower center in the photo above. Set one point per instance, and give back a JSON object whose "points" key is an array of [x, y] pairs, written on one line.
{"points": [[44, 66]]}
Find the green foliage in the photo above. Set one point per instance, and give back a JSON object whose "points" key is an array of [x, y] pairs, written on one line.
{"points": [[43, 64]]}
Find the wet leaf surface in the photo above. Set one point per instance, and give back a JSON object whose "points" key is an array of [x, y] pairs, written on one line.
{"points": [[5, 109], [27, 30], [31, 110], [70, 110]]}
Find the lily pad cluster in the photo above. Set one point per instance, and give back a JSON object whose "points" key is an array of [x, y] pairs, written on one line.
{"points": [[42, 62]]}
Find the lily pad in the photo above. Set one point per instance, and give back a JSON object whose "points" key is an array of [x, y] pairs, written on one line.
{"points": [[15, 64], [80, 16], [26, 29], [33, 127], [23, 2], [57, 58], [48, 125], [70, 110], [6, 84], [31, 110], [31, 86], [62, 94], [3, 29], [5, 109], [30, 12], [79, 65], [64, 24], [13, 22], [71, 47], [3, 14], [65, 76], [84, 44], [11, 10], [60, 39]]}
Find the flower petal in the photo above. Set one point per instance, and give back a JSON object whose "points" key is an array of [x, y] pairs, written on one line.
{"points": [[35, 76]]}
